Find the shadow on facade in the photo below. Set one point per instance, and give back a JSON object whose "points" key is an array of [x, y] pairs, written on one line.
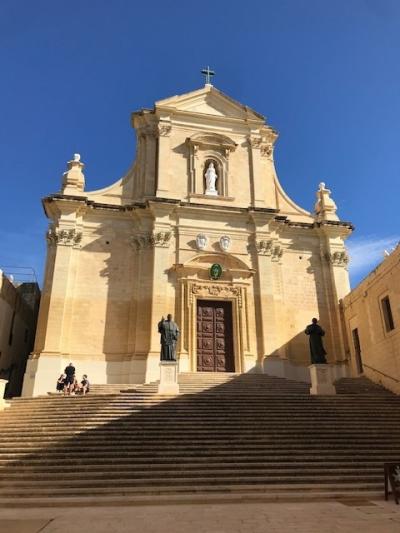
{"points": [[127, 274], [118, 268]]}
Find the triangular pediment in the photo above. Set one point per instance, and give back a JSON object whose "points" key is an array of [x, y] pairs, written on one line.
{"points": [[209, 101]]}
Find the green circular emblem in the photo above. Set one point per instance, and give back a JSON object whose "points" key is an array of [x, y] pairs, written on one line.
{"points": [[216, 271]]}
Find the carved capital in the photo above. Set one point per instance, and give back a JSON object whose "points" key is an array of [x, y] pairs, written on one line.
{"points": [[339, 258], [147, 240], [56, 236], [270, 249], [138, 242], [264, 247], [148, 130], [161, 238], [255, 142], [266, 150], [164, 129], [277, 252]]}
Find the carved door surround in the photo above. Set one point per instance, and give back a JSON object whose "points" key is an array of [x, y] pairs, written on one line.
{"points": [[193, 290], [192, 281]]}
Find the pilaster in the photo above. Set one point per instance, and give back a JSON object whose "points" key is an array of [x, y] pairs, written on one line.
{"points": [[64, 241], [163, 160], [268, 252], [257, 183], [152, 247], [335, 261]]}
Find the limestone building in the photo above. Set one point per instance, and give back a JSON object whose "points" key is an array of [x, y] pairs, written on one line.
{"points": [[199, 227], [372, 318], [19, 305]]}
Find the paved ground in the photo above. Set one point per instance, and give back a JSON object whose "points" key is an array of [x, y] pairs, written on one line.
{"points": [[322, 517]]}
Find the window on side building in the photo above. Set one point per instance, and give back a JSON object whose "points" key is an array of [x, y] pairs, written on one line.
{"points": [[387, 314]]}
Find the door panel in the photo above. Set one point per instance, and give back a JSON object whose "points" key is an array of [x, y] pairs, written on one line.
{"points": [[214, 336]]}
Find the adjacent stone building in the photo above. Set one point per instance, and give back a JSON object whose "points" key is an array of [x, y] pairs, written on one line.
{"points": [[200, 227], [19, 305], [372, 318]]}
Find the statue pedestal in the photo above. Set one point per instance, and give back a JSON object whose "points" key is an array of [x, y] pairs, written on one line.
{"points": [[322, 380], [168, 378]]}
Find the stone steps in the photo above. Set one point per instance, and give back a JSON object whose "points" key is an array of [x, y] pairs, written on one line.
{"points": [[230, 434]]}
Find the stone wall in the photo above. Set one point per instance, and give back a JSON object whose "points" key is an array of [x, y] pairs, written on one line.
{"points": [[18, 314], [363, 311]]}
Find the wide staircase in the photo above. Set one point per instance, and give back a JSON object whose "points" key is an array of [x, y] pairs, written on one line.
{"points": [[225, 437]]}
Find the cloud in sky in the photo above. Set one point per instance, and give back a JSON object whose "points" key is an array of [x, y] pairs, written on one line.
{"points": [[366, 253]]}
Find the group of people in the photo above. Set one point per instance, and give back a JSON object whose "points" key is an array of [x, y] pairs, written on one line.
{"points": [[67, 383]]}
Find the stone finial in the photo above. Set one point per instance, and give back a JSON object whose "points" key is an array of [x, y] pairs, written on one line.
{"points": [[325, 207], [73, 179]]}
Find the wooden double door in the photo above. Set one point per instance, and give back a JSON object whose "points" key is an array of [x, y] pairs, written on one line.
{"points": [[214, 336]]}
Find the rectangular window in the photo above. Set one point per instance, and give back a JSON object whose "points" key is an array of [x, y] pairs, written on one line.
{"points": [[387, 313]]}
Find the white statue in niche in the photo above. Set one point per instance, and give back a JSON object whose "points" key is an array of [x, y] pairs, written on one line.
{"points": [[211, 178]]}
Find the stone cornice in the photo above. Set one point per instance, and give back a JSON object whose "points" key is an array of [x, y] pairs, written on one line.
{"points": [[212, 139], [312, 225], [207, 118], [257, 212]]}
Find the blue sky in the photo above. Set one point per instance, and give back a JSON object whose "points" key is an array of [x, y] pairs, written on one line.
{"points": [[325, 74]]}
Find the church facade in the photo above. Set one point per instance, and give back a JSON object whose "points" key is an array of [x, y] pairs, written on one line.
{"points": [[201, 228]]}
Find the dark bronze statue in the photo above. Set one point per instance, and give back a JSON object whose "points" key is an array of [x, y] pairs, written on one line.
{"points": [[317, 350], [169, 335]]}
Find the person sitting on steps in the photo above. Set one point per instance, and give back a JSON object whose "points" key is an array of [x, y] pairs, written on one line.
{"points": [[61, 383], [84, 385]]}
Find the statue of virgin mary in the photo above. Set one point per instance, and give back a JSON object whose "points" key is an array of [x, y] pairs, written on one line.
{"points": [[211, 178]]}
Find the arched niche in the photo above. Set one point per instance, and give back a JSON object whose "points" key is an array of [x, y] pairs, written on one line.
{"points": [[220, 185], [204, 148]]}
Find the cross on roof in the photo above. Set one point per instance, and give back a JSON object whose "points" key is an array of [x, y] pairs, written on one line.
{"points": [[208, 73]]}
